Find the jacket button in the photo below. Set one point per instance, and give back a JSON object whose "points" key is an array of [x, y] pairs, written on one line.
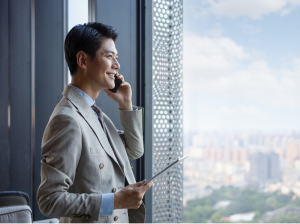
{"points": [[114, 190], [116, 218], [101, 165], [131, 165]]}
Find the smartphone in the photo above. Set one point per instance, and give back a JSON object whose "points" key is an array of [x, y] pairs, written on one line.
{"points": [[117, 84]]}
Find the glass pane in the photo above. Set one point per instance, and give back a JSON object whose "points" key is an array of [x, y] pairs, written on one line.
{"points": [[241, 97], [77, 14]]}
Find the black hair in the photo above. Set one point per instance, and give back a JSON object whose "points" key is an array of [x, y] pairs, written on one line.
{"points": [[87, 38]]}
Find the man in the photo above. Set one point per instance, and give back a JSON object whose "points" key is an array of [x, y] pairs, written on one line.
{"points": [[85, 173]]}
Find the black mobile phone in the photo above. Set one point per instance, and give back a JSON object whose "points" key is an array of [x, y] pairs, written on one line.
{"points": [[117, 84]]}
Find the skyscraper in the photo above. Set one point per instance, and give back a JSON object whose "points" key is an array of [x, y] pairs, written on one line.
{"points": [[264, 168]]}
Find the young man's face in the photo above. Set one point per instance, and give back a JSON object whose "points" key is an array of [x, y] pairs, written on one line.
{"points": [[104, 66]]}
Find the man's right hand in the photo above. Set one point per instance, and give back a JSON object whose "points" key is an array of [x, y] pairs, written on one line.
{"points": [[131, 196]]}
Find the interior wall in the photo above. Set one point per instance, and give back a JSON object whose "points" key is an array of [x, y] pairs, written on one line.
{"points": [[4, 95], [50, 74], [16, 96]]}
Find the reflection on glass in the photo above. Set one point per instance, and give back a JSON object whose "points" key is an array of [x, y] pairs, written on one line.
{"points": [[241, 94]]}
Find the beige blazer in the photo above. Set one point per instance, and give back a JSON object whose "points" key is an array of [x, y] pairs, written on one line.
{"points": [[80, 163]]}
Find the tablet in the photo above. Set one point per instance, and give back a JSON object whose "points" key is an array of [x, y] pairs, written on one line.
{"points": [[165, 169]]}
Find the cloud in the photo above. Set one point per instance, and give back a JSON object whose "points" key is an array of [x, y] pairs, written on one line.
{"points": [[216, 31], [213, 56], [249, 28], [296, 63], [221, 68], [254, 9]]}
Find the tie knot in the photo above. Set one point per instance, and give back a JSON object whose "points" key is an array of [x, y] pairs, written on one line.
{"points": [[97, 110]]}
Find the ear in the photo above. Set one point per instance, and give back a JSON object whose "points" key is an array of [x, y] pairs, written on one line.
{"points": [[81, 59]]}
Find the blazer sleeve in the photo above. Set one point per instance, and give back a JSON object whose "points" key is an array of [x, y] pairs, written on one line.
{"points": [[61, 151], [132, 137]]}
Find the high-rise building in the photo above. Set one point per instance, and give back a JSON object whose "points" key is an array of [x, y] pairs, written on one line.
{"points": [[219, 154], [227, 155], [235, 155], [243, 155], [291, 155], [274, 173], [264, 168], [280, 151]]}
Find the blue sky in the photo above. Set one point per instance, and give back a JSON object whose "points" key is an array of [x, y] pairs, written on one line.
{"points": [[241, 65]]}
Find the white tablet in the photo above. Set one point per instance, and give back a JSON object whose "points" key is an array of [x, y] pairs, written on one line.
{"points": [[165, 169]]}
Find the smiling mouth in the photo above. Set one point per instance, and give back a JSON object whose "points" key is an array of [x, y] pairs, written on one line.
{"points": [[111, 75]]}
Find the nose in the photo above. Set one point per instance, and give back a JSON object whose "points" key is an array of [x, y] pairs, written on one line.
{"points": [[116, 64]]}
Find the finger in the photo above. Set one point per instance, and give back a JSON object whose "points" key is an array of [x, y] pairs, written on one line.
{"points": [[137, 205], [121, 77], [125, 84], [146, 186], [138, 184]]}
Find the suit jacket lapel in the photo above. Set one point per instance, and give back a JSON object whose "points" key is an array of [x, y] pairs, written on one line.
{"points": [[115, 149], [88, 114]]}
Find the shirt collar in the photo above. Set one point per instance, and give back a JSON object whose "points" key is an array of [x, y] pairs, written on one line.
{"points": [[87, 97]]}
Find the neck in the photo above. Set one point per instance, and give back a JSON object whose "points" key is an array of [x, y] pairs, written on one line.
{"points": [[88, 87]]}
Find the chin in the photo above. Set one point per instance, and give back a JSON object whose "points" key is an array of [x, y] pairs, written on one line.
{"points": [[112, 85]]}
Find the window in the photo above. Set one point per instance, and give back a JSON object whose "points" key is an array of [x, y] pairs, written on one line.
{"points": [[77, 14], [241, 104]]}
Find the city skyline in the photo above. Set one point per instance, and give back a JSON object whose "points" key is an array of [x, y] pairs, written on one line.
{"points": [[269, 162]]}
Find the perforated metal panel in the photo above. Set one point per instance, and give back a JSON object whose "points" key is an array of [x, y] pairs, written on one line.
{"points": [[167, 109]]}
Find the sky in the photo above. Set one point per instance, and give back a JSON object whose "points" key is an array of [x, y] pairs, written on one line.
{"points": [[77, 14], [241, 65]]}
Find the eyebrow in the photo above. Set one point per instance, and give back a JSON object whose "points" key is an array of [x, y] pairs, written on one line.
{"points": [[109, 51]]}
